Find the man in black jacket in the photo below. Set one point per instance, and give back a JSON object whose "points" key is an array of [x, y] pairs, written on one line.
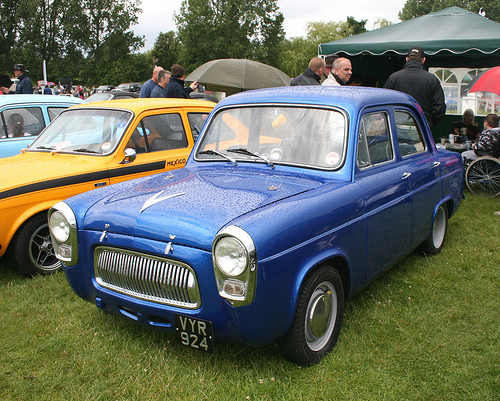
{"points": [[424, 87], [312, 74], [175, 86]]}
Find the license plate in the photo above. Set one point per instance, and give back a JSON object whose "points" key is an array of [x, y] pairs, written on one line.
{"points": [[194, 333]]}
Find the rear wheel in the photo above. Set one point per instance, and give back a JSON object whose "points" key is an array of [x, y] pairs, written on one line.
{"points": [[31, 249], [435, 242], [318, 318]]}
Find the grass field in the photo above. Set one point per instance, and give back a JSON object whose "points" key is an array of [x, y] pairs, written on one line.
{"points": [[428, 329]]}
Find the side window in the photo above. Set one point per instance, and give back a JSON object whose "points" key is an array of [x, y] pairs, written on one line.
{"points": [[374, 140], [410, 139], [159, 132], [23, 121], [54, 112], [196, 121]]}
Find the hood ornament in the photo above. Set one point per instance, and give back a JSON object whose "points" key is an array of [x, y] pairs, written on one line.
{"points": [[169, 248], [104, 233], [156, 198]]}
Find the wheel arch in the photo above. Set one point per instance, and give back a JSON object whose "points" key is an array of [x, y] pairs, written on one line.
{"points": [[24, 217]]}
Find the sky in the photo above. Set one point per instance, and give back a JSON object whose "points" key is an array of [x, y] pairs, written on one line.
{"points": [[157, 15]]}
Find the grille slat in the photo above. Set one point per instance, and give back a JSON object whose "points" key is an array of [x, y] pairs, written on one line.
{"points": [[146, 277]]}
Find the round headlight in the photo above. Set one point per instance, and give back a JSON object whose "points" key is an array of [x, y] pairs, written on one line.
{"points": [[231, 256], [59, 226]]}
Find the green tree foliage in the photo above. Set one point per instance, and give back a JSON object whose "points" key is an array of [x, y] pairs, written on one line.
{"points": [[418, 8], [87, 40], [297, 52], [214, 29], [167, 49]]}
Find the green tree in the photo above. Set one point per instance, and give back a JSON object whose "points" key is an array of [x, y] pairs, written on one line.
{"points": [[167, 49], [418, 8], [216, 29]]}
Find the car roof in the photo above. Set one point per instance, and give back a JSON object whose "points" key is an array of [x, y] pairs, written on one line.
{"points": [[138, 104], [346, 97], [26, 99]]}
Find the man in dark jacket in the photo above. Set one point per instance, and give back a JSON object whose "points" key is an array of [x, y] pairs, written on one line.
{"points": [[24, 86], [312, 74], [424, 87], [175, 86]]}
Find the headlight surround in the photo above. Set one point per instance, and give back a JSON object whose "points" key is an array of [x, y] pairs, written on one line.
{"points": [[235, 265], [63, 231]]}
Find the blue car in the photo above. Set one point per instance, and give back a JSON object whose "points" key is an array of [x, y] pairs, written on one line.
{"points": [[23, 117], [292, 200]]}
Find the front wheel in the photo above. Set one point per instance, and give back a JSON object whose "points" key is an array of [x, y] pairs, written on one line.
{"points": [[435, 242], [31, 249], [318, 318]]}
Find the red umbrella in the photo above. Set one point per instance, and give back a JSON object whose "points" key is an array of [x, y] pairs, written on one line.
{"points": [[488, 81]]}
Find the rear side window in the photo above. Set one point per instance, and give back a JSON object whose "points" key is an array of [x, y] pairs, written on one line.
{"points": [[374, 140], [410, 138], [21, 122], [54, 112]]}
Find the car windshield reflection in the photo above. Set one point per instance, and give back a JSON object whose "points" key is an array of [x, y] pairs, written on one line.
{"points": [[307, 136], [84, 131]]}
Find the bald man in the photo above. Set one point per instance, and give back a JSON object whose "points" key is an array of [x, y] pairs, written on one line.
{"points": [[312, 74], [151, 84]]}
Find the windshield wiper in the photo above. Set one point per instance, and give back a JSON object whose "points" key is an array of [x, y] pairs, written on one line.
{"points": [[84, 150], [45, 147], [248, 152], [216, 152]]}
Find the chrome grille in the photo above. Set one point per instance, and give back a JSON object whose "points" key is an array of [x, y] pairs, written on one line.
{"points": [[146, 277]]}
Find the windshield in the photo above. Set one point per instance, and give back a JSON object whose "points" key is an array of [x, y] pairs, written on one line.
{"points": [[276, 135], [84, 131]]}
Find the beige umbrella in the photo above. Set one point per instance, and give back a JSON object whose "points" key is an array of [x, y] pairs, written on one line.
{"points": [[235, 75]]}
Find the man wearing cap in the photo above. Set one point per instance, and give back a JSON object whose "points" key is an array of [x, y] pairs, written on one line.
{"points": [[24, 85], [312, 74], [328, 67], [340, 74], [424, 87]]}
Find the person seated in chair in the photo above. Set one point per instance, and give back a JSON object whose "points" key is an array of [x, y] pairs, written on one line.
{"points": [[488, 143], [468, 121]]}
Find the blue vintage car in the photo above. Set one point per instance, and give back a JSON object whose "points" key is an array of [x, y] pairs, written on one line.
{"points": [[292, 200], [23, 117]]}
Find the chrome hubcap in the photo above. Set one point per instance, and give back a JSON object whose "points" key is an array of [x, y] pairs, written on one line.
{"points": [[321, 314]]}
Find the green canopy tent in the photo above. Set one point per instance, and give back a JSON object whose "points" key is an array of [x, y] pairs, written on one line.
{"points": [[452, 37]]}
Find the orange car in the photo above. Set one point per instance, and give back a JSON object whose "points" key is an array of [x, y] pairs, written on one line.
{"points": [[86, 147]]}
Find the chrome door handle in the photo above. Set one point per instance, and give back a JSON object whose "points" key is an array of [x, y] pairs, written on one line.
{"points": [[405, 176], [435, 164]]}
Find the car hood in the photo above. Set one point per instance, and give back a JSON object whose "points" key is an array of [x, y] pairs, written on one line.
{"points": [[190, 204], [32, 171]]}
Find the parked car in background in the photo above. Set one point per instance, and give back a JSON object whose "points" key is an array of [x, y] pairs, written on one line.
{"points": [[292, 200], [105, 88], [89, 146], [113, 95], [131, 87], [23, 117]]}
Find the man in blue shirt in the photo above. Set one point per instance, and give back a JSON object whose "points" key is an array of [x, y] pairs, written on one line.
{"points": [[24, 85], [159, 89], [149, 85]]}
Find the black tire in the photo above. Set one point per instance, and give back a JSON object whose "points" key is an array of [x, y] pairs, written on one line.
{"points": [[435, 242], [31, 250], [321, 297], [483, 176]]}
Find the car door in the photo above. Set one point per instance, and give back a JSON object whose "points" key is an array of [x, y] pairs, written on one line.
{"points": [[420, 162], [161, 141], [383, 180]]}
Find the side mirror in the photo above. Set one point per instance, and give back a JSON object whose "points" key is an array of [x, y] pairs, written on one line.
{"points": [[129, 156]]}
